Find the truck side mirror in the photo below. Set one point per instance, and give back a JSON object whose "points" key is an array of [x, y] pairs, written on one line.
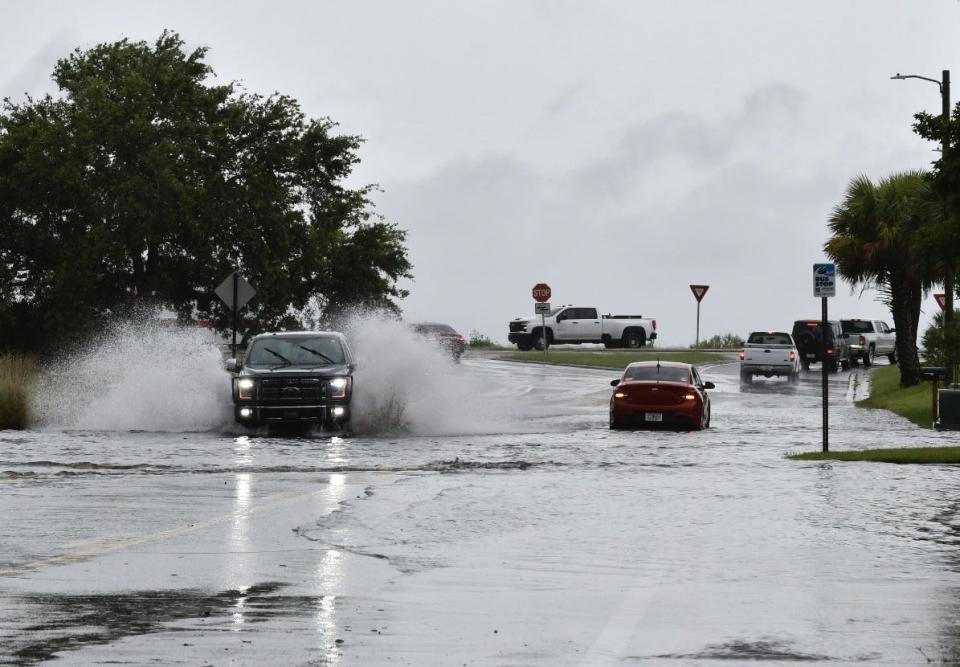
{"points": [[232, 366]]}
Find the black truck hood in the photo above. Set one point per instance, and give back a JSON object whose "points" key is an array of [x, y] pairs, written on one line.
{"points": [[299, 371]]}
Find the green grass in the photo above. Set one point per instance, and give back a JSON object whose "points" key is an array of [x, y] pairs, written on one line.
{"points": [[902, 455], [914, 403], [16, 374], [617, 360]]}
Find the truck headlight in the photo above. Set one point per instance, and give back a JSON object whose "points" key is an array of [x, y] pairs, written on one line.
{"points": [[244, 388], [338, 387]]}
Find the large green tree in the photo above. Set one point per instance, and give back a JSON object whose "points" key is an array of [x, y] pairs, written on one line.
{"points": [[143, 181], [877, 239]]}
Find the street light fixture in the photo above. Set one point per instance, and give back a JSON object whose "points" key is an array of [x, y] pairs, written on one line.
{"points": [[944, 86]]}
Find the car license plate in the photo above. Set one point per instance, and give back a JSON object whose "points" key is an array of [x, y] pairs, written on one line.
{"points": [[812, 356], [653, 417]]}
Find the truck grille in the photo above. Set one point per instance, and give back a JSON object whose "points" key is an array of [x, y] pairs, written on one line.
{"points": [[292, 390], [518, 326]]}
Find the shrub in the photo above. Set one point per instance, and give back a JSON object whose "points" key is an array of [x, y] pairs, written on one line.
{"points": [[16, 374], [933, 341], [720, 342], [481, 342]]}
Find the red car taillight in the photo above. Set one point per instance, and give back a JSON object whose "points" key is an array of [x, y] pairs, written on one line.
{"points": [[863, 341], [654, 325], [793, 355], [742, 355], [829, 351]]}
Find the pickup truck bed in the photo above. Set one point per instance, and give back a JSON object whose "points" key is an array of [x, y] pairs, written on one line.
{"points": [[768, 358]]}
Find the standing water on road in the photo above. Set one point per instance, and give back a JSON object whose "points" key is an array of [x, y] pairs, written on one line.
{"points": [[492, 519]]}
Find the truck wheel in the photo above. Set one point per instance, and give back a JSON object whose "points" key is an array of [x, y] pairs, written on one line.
{"points": [[525, 345], [540, 341], [805, 365], [832, 366], [892, 357], [868, 357], [633, 340]]}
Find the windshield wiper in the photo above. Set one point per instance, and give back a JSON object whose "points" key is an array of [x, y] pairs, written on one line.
{"points": [[286, 362], [319, 354]]}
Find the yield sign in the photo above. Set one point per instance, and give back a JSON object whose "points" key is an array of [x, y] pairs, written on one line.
{"points": [[699, 291], [941, 300], [244, 290]]}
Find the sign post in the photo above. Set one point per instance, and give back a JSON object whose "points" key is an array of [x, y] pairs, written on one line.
{"points": [[541, 294], [235, 291], [699, 291], [824, 286]]}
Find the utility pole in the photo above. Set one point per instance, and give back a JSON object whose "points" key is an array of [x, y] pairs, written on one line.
{"points": [[948, 276]]}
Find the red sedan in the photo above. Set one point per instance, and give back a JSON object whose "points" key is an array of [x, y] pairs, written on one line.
{"points": [[665, 394]]}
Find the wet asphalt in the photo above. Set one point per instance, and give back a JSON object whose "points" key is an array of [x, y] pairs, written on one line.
{"points": [[498, 523]]}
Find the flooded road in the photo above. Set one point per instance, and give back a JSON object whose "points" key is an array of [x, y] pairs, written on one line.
{"points": [[531, 535]]}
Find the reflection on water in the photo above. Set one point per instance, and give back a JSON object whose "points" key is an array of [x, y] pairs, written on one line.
{"points": [[743, 554]]}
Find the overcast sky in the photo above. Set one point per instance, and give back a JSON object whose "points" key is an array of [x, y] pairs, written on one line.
{"points": [[618, 151]]}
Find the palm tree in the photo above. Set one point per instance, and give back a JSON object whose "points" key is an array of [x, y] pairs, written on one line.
{"points": [[877, 241]]}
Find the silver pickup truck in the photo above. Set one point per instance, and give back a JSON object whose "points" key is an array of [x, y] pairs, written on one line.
{"points": [[868, 339], [769, 353]]}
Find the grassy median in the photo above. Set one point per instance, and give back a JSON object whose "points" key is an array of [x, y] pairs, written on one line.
{"points": [[602, 359], [16, 374], [915, 403]]}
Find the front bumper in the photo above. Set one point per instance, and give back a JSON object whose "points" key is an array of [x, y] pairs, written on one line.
{"points": [[518, 336], [252, 414]]}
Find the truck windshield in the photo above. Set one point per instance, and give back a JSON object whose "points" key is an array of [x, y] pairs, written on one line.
{"points": [[769, 338], [856, 326], [300, 351]]}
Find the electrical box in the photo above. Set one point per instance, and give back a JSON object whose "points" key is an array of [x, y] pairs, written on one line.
{"points": [[948, 409]]}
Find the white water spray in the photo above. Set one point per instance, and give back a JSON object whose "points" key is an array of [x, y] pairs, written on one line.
{"points": [[406, 383], [137, 376]]}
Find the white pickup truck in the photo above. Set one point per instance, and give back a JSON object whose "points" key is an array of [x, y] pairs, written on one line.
{"points": [[578, 324], [769, 353], [868, 339]]}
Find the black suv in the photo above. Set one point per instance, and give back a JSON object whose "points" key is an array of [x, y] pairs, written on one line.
{"points": [[808, 335], [294, 377]]}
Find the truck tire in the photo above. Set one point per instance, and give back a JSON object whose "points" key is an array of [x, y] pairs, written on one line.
{"points": [[525, 345], [868, 357], [634, 340], [541, 340], [892, 357]]}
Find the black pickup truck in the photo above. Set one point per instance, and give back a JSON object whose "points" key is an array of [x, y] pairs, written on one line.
{"points": [[294, 377]]}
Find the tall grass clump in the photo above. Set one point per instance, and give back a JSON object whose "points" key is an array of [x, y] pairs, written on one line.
{"points": [[17, 372]]}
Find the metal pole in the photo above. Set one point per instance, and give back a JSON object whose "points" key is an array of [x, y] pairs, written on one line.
{"points": [[948, 277], [824, 371], [234, 346], [543, 332], [696, 343]]}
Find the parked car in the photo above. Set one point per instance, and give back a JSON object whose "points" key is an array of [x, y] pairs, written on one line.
{"points": [[868, 339], [578, 324], [294, 377], [769, 353], [808, 335], [660, 394], [443, 335]]}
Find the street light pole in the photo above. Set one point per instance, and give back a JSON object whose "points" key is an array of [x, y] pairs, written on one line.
{"points": [[948, 277]]}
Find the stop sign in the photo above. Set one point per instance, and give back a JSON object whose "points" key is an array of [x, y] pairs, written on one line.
{"points": [[541, 292]]}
